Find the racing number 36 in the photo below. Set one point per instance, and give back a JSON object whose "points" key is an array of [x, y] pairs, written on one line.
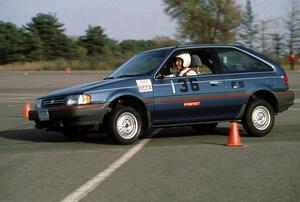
{"points": [[184, 83]]}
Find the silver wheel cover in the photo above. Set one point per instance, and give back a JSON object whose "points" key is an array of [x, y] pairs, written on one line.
{"points": [[261, 118], [127, 125]]}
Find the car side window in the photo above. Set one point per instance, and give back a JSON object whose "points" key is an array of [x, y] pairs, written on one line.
{"points": [[203, 62], [235, 61]]}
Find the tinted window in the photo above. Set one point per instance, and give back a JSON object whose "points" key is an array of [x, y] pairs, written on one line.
{"points": [[235, 61]]}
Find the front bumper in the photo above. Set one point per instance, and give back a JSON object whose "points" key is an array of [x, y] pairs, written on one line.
{"points": [[71, 116]]}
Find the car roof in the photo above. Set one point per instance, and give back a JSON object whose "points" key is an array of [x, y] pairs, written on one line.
{"points": [[208, 45], [197, 46]]}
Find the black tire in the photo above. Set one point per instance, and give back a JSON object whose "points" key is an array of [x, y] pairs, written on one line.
{"points": [[74, 133], [205, 127], [259, 118], [124, 124]]}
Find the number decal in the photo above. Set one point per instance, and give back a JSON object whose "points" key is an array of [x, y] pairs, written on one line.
{"points": [[195, 86], [184, 85], [193, 83]]}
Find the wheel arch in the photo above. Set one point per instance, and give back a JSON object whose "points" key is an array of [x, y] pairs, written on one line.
{"points": [[134, 102], [267, 96]]}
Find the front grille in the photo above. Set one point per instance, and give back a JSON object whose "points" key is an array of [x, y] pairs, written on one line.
{"points": [[54, 102]]}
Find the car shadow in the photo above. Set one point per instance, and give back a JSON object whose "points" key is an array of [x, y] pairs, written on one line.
{"points": [[189, 131], [208, 136], [35, 135]]}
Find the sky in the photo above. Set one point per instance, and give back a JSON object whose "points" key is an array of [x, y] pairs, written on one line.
{"points": [[121, 19]]}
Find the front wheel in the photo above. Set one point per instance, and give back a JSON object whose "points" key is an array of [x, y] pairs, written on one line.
{"points": [[259, 118], [124, 125]]}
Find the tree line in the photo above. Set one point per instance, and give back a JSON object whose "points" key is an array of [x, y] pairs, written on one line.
{"points": [[199, 21], [44, 38]]}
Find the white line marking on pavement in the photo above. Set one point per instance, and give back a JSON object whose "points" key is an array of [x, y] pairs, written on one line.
{"points": [[20, 94], [17, 98], [85, 189], [294, 109], [297, 101], [16, 101]]}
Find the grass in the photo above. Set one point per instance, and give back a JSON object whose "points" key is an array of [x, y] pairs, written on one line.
{"points": [[62, 64], [87, 64]]}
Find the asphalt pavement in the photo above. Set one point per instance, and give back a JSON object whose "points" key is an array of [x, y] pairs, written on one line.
{"points": [[175, 164]]}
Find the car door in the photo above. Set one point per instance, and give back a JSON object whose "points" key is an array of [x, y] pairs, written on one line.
{"points": [[190, 99], [176, 100]]}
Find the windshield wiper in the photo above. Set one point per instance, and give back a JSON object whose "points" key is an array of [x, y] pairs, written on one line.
{"points": [[130, 75], [109, 78]]}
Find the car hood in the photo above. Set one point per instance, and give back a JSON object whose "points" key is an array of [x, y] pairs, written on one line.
{"points": [[79, 89]]}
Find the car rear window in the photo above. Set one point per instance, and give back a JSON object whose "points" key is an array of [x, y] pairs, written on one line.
{"points": [[235, 61]]}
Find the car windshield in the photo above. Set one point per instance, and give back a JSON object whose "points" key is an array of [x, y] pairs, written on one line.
{"points": [[141, 64]]}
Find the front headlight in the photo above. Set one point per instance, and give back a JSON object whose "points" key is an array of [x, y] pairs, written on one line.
{"points": [[78, 99], [38, 104]]}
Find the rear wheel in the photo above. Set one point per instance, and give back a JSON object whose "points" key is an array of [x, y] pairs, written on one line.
{"points": [[259, 118], [124, 124]]}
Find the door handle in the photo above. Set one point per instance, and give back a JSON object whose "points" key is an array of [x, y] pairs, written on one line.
{"points": [[215, 83]]}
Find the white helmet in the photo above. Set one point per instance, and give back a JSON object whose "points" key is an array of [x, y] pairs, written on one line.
{"points": [[186, 59]]}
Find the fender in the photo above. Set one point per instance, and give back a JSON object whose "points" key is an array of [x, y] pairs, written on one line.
{"points": [[268, 95], [128, 92], [149, 106]]}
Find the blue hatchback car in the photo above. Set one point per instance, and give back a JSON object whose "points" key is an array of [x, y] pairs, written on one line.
{"points": [[229, 83]]}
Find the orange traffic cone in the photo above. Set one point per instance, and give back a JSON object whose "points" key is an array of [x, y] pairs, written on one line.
{"points": [[68, 70], [26, 109], [234, 136]]}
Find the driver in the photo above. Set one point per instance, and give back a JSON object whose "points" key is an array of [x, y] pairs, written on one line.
{"points": [[182, 63]]}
